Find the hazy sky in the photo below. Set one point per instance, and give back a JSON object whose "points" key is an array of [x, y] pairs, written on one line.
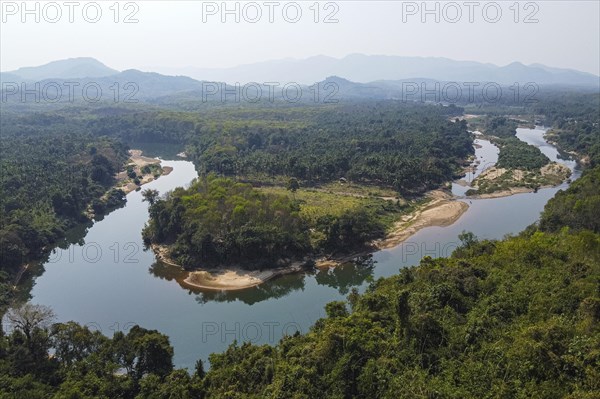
{"points": [[177, 34]]}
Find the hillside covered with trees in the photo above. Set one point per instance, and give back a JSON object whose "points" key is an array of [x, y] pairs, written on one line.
{"points": [[513, 318], [518, 317], [47, 183]]}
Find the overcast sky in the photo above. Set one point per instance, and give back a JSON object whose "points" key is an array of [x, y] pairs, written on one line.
{"points": [[178, 34]]}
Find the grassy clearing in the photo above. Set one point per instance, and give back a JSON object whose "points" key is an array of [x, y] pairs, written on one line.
{"points": [[317, 203], [358, 189]]}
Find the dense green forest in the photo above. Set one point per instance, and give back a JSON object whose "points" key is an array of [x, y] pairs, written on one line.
{"points": [[407, 147], [516, 154], [500, 126], [575, 122], [513, 318], [574, 119], [218, 221], [518, 317], [410, 147], [47, 184], [578, 207]]}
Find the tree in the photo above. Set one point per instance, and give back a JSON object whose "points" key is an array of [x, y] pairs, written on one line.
{"points": [[293, 186], [150, 195], [467, 239], [152, 352], [28, 317], [73, 342], [200, 369]]}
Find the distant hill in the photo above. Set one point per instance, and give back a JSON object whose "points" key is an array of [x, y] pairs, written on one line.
{"points": [[133, 86], [354, 77], [367, 68], [83, 67]]}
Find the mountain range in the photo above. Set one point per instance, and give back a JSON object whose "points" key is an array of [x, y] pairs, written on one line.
{"points": [[355, 76], [356, 68], [368, 68]]}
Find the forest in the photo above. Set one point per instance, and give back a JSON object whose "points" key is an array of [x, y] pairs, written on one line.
{"points": [[406, 147], [518, 317], [410, 147], [47, 184], [218, 221], [516, 154]]}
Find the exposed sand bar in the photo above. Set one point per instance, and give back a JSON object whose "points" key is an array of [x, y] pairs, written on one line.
{"points": [[505, 193], [139, 161], [441, 211], [442, 214], [233, 279]]}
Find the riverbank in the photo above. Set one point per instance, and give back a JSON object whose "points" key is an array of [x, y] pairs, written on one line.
{"points": [[500, 182], [233, 279], [227, 279], [145, 170], [441, 211]]}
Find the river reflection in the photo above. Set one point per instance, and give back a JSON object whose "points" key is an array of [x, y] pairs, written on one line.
{"points": [[342, 278], [116, 289]]}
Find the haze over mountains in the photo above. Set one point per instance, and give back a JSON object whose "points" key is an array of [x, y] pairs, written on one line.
{"points": [[368, 68], [354, 76], [82, 67], [356, 68]]}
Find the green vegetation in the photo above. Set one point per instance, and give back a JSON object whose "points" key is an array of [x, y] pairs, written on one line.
{"points": [[335, 201], [520, 165], [578, 207], [218, 221], [406, 147], [86, 364], [500, 126], [513, 318], [47, 185], [553, 175], [516, 154], [575, 122], [481, 324]]}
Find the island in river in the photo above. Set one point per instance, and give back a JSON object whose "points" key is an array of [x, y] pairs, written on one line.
{"points": [[438, 209], [402, 220], [522, 167], [139, 170]]}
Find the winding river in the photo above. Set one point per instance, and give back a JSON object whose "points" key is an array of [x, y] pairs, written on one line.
{"points": [[110, 283]]}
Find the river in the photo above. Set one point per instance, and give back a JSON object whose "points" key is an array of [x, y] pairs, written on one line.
{"points": [[110, 283]]}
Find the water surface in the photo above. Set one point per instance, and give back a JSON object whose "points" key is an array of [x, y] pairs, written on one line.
{"points": [[110, 283]]}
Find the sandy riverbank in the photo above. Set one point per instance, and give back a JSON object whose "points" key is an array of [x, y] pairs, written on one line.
{"points": [[228, 279], [232, 279], [503, 193], [442, 210], [138, 161], [550, 175]]}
